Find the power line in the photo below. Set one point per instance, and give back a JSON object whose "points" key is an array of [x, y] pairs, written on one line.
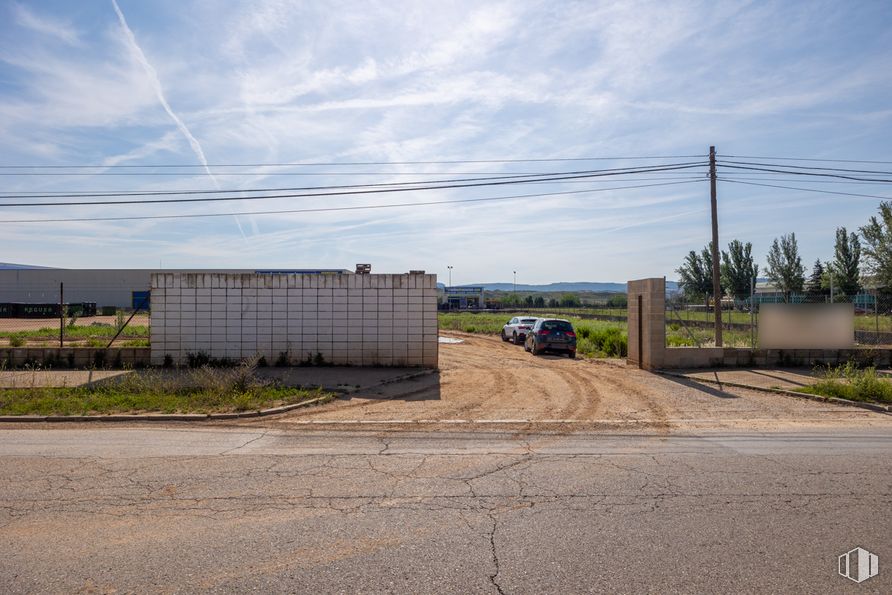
{"points": [[800, 173], [668, 175], [810, 167], [349, 208], [807, 189], [666, 167], [594, 173], [807, 159], [744, 176], [352, 163]]}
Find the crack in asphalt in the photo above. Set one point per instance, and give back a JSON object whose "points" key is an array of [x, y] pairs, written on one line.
{"points": [[493, 578], [478, 492], [250, 441]]}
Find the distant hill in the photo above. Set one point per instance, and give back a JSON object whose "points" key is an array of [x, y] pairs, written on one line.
{"points": [[566, 286]]}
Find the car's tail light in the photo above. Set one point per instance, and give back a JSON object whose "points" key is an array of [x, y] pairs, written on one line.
{"points": [[543, 333], [523, 327], [570, 334]]}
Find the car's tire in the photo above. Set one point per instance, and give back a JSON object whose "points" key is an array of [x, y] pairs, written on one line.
{"points": [[571, 355], [526, 346], [504, 336], [535, 350], [515, 340]]}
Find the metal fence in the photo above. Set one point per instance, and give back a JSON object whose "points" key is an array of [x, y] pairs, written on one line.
{"points": [[692, 323], [72, 324]]}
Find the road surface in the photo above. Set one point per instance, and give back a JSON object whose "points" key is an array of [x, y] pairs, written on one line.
{"points": [[231, 509]]}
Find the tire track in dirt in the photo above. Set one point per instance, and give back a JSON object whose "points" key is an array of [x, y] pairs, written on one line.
{"points": [[485, 378]]}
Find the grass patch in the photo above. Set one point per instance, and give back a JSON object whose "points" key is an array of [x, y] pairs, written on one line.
{"points": [[201, 390], [604, 341], [594, 338], [94, 330], [852, 383]]}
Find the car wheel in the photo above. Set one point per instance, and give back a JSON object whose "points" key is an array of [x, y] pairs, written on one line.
{"points": [[535, 350], [526, 346], [515, 340], [504, 336], [572, 355]]}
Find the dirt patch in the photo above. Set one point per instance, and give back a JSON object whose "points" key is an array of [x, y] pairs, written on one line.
{"points": [[488, 383]]}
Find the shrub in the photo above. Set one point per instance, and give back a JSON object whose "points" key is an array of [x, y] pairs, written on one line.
{"points": [[197, 360], [606, 342], [851, 382], [16, 340]]}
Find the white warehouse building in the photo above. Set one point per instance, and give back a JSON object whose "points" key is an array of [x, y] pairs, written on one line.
{"points": [[123, 288]]}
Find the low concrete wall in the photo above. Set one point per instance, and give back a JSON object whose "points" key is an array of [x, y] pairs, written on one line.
{"points": [[76, 357], [713, 357], [346, 319], [647, 341]]}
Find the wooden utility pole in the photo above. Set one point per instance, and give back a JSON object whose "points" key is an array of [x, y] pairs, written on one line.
{"points": [[716, 281], [61, 315]]}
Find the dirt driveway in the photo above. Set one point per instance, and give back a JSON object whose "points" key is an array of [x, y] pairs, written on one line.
{"points": [[485, 381]]}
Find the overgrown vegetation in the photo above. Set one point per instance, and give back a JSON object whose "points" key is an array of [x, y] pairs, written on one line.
{"points": [[606, 341], [198, 390], [851, 382], [594, 338]]}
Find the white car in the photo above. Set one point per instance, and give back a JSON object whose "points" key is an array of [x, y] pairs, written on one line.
{"points": [[516, 329]]}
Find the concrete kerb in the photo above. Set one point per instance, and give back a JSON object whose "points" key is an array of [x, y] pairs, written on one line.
{"points": [[780, 391], [166, 417]]}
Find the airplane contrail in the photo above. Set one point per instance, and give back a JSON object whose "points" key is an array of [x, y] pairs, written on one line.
{"points": [[159, 93]]}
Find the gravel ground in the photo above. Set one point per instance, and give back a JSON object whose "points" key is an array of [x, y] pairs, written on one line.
{"points": [[483, 380]]}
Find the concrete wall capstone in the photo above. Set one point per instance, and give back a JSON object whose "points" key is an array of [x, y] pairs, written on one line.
{"points": [[347, 319]]}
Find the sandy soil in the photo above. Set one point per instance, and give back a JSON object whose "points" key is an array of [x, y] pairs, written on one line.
{"points": [[483, 380]]}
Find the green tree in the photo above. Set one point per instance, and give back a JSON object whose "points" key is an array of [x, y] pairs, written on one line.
{"points": [[847, 262], [695, 275], [539, 302], [620, 300], [739, 272], [528, 301], [785, 268], [877, 236], [815, 286], [511, 299], [570, 300]]}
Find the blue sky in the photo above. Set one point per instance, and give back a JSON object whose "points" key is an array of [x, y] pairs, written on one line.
{"points": [[276, 81]]}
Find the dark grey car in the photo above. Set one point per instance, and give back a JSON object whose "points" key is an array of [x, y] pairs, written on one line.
{"points": [[551, 334]]}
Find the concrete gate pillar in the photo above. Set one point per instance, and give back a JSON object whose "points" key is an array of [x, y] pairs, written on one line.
{"points": [[647, 323]]}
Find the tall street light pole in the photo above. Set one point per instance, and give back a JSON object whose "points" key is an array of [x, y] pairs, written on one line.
{"points": [[450, 274], [515, 283]]}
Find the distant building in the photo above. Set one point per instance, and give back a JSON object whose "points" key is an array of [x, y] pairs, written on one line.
{"points": [[123, 288]]}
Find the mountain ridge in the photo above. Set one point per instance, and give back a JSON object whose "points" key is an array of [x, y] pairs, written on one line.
{"points": [[593, 286]]}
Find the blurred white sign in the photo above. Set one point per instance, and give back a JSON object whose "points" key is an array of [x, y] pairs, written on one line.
{"points": [[806, 326]]}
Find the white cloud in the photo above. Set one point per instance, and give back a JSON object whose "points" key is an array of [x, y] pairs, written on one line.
{"points": [[46, 25]]}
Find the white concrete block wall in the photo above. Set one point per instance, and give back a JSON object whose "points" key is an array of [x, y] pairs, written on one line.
{"points": [[359, 320]]}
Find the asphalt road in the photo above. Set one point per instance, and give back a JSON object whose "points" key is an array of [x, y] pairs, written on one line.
{"points": [[147, 509]]}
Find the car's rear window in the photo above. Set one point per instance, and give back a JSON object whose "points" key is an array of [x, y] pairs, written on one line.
{"points": [[528, 320], [557, 325]]}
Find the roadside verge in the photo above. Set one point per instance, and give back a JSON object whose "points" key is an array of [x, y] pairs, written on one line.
{"points": [[780, 391]]}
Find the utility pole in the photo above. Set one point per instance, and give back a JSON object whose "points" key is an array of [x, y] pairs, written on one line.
{"points": [[716, 281], [61, 315], [449, 266], [515, 283]]}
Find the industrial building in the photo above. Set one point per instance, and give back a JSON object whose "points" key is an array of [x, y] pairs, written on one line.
{"points": [[123, 288]]}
